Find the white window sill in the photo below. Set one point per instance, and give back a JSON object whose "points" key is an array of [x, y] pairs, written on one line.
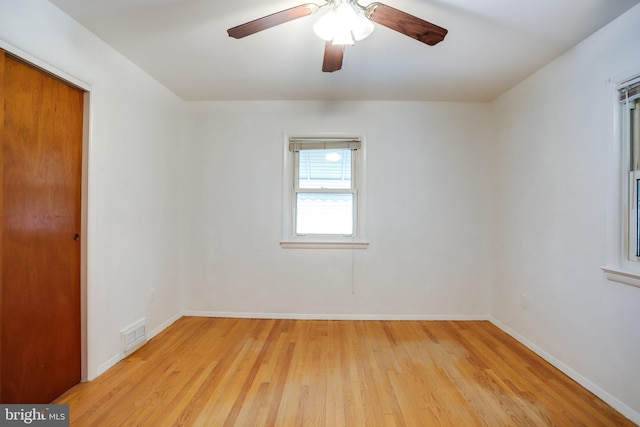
{"points": [[620, 275], [323, 245]]}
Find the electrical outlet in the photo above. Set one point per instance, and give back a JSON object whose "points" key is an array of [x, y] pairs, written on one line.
{"points": [[524, 301], [152, 295]]}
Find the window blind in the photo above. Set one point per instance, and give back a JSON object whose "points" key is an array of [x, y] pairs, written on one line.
{"points": [[297, 144], [630, 89]]}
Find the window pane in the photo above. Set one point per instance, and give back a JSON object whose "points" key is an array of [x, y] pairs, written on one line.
{"points": [[637, 236], [330, 169], [324, 213]]}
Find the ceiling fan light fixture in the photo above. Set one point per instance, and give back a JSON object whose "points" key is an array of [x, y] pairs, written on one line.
{"points": [[342, 37], [363, 28], [325, 26], [343, 24]]}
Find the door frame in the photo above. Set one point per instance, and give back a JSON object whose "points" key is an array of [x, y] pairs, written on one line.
{"points": [[71, 80]]}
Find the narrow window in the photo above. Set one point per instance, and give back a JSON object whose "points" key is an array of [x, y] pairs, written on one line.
{"points": [[630, 114], [325, 184], [623, 252]]}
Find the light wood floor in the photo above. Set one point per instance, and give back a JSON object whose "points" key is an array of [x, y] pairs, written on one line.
{"points": [[242, 372]]}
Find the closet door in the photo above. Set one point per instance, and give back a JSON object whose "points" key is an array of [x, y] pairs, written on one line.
{"points": [[40, 217]]}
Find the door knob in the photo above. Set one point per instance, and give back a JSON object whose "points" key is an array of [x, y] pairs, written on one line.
{"points": [[76, 236]]}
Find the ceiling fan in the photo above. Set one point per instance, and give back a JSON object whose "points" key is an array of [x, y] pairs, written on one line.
{"points": [[345, 22]]}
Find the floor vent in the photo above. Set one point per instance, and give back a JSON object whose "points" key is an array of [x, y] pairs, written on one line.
{"points": [[133, 337]]}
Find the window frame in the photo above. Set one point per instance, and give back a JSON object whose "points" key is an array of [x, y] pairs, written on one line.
{"points": [[621, 264], [631, 175], [353, 191], [292, 240], [632, 219]]}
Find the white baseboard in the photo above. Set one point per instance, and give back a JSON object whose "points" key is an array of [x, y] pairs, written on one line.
{"points": [[164, 325], [334, 316], [616, 404], [108, 365]]}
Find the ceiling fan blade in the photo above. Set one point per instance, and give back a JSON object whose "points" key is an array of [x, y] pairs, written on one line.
{"points": [[333, 55], [272, 20], [406, 24]]}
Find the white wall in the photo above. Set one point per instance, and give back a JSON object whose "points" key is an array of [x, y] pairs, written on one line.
{"points": [[135, 170], [555, 136], [427, 212]]}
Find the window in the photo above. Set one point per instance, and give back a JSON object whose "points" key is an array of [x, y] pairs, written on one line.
{"points": [[630, 133], [323, 192], [623, 247]]}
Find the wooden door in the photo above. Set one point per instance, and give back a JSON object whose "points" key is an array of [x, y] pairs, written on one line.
{"points": [[41, 153]]}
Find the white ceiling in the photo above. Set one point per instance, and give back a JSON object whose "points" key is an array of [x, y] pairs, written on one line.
{"points": [[491, 46]]}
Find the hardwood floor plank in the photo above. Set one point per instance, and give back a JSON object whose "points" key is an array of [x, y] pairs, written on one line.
{"points": [[257, 363], [249, 372]]}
